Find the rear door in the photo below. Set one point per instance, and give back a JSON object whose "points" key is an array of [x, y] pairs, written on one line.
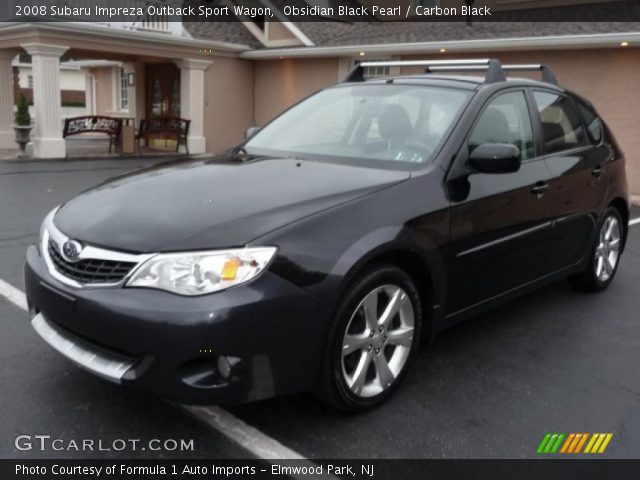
{"points": [[576, 158], [501, 228]]}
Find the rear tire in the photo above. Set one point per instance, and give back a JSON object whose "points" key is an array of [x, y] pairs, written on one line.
{"points": [[373, 339], [604, 257]]}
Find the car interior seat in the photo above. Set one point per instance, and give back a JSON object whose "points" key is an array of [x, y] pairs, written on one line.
{"points": [[554, 138], [395, 126]]}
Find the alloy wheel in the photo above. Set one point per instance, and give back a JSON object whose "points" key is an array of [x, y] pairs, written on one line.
{"points": [[377, 341], [608, 249]]}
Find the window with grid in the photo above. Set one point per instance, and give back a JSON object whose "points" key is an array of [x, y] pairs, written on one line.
{"points": [[374, 72], [124, 90]]}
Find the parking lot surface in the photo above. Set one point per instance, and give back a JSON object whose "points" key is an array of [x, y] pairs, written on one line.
{"points": [[552, 361]]}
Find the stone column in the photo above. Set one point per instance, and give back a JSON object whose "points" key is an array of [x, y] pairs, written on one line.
{"points": [[89, 93], [140, 93], [132, 90], [7, 137], [45, 61], [192, 100]]}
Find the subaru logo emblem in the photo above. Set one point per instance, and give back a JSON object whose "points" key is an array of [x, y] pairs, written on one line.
{"points": [[71, 250]]}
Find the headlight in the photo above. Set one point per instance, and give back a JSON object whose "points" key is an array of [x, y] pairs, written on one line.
{"points": [[43, 227], [197, 273]]}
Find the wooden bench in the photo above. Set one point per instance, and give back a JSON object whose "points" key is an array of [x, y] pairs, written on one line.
{"points": [[94, 124], [172, 127]]}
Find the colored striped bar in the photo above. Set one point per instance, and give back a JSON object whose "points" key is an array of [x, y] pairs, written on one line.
{"points": [[591, 442], [551, 443], [555, 447], [581, 443], [565, 447], [599, 440], [573, 443], [605, 443], [543, 443], [576, 439]]}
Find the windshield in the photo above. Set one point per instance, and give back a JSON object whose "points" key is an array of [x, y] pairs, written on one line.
{"points": [[382, 122]]}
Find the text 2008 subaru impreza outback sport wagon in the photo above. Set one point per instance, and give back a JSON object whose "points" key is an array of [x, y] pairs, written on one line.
{"points": [[315, 255]]}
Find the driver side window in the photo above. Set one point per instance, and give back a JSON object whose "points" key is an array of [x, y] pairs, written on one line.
{"points": [[505, 120]]}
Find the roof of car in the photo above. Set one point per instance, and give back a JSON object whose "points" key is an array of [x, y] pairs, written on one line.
{"points": [[460, 81]]}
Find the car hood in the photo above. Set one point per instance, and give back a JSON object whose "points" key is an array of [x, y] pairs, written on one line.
{"points": [[212, 204]]}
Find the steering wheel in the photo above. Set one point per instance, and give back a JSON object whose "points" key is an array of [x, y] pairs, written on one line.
{"points": [[414, 152]]}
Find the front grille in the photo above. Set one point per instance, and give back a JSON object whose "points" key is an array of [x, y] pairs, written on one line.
{"points": [[89, 270]]}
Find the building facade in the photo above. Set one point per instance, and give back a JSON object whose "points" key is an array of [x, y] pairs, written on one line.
{"points": [[226, 77]]}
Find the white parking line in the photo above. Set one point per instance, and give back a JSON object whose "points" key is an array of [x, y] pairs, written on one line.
{"points": [[252, 439], [249, 438], [14, 295], [634, 221]]}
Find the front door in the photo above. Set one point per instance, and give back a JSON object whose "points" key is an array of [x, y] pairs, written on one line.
{"points": [[162, 87], [162, 90], [501, 229]]}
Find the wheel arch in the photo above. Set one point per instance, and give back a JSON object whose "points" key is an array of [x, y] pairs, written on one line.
{"points": [[622, 206], [425, 270]]}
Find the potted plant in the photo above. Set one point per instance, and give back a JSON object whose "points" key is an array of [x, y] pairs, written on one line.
{"points": [[22, 125]]}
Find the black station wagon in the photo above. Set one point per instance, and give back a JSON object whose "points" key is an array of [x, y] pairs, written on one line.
{"points": [[315, 255]]}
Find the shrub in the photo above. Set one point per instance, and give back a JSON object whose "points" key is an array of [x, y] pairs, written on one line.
{"points": [[23, 118]]}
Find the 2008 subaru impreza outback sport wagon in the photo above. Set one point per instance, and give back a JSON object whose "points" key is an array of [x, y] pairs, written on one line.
{"points": [[315, 255]]}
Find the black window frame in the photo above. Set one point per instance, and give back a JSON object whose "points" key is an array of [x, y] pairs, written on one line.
{"points": [[541, 140], [579, 101], [485, 105]]}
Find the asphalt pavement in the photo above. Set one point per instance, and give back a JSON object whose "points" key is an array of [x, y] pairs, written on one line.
{"points": [[553, 361]]}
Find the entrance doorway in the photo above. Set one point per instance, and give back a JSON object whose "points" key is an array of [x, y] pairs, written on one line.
{"points": [[162, 87]]}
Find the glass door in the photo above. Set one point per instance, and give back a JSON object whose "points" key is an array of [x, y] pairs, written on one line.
{"points": [[162, 87]]}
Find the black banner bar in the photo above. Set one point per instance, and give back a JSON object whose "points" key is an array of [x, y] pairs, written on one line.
{"points": [[541, 469], [466, 11]]}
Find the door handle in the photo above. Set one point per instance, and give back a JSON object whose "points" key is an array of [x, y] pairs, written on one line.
{"points": [[539, 189], [597, 171]]}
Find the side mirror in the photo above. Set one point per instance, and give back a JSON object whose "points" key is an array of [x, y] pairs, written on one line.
{"points": [[251, 131], [495, 158]]}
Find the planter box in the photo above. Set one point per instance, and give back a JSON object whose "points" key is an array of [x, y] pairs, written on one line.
{"points": [[23, 136]]}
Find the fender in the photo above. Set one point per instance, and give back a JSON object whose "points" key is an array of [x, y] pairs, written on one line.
{"points": [[395, 239]]}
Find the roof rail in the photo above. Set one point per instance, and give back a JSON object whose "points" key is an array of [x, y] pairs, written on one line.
{"points": [[496, 72], [547, 74]]}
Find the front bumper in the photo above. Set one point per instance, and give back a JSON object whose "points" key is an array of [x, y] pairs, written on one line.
{"points": [[270, 332], [103, 363]]}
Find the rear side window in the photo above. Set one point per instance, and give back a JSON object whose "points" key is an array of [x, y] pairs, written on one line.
{"points": [[561, 125], [505, 120], [591, 120]]}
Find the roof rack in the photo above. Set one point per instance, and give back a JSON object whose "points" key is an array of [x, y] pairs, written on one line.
{"points": [[496, 72]]}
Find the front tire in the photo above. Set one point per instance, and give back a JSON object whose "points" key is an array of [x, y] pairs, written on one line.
{"points": [[604, 256], [373, 339]]}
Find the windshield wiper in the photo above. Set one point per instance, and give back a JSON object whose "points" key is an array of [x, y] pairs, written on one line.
{"points": [[238, 150], [240, 154]]}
